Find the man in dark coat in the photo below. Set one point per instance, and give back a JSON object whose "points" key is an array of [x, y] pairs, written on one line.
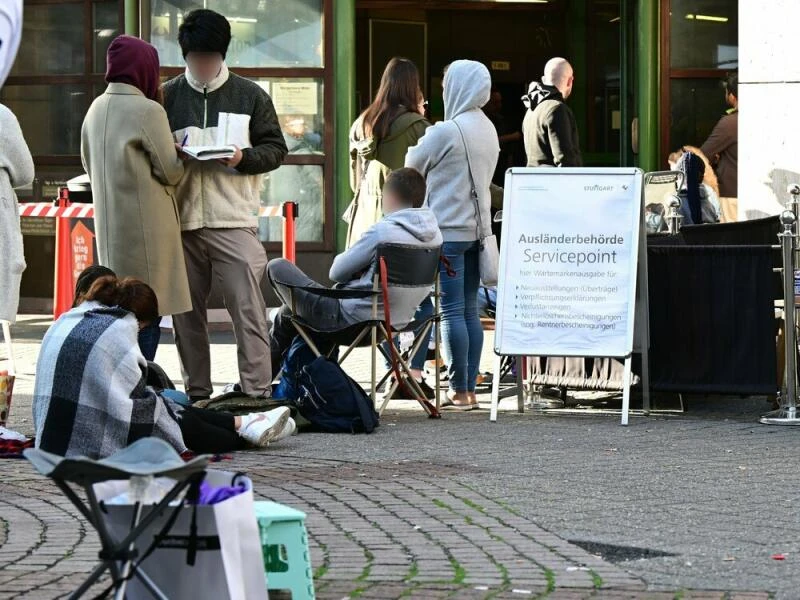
{"points": [[549, 129]]}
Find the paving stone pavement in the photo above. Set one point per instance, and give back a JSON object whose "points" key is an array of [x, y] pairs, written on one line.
{"points": [[688, 506]]}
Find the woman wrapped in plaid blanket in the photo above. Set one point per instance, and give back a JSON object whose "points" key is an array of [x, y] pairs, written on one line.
{"points": [[91, 398]]}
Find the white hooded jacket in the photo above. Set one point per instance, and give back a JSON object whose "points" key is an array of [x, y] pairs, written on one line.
{"points": [[441, 156]]}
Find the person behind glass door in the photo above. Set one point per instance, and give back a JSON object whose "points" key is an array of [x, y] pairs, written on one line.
{"points": [[549, 129], [219, 202], [465, 141], [128, 152], [722, 148], [297, 183]]}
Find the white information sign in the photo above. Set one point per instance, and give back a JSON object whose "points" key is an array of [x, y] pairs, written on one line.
{"points": [[295, 97], [568, 262]]}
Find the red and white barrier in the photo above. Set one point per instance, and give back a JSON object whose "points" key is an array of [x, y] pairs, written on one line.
{"points": [[47, 209]]}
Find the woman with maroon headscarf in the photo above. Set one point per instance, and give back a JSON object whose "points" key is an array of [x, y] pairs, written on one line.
{"points": [[128, 151]]}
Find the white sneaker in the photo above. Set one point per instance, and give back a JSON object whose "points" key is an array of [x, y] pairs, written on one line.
{"points": [[288, 431], [266, 427]]}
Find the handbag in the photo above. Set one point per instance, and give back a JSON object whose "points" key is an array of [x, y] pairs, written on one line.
{"points": [[488, 252], [222, 540]]}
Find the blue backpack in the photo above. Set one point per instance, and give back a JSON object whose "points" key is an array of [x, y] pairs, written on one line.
{"points": [[332, 402], [295, 358], [324, 394]]}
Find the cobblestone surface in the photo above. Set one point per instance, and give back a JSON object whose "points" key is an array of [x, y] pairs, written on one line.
{"points": [[461, 508]]}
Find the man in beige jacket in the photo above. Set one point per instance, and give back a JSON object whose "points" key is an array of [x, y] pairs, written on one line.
{"points": [[219, 202]]}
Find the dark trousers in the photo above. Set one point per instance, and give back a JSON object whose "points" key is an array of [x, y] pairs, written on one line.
{"points": [[149, 337], [320, 312], [209, 432]]}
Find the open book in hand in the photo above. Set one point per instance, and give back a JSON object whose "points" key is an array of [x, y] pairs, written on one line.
{"points": [[210, 152]]}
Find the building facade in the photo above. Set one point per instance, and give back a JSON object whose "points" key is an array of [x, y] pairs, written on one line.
{"points": [[647, 82]]}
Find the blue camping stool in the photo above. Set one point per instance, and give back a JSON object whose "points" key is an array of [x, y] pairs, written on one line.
{"points": [[284, 541]]}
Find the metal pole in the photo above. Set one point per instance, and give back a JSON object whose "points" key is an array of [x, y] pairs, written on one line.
{"points": [[794, 192], [674, 216], [289, 242], [787, 413]]}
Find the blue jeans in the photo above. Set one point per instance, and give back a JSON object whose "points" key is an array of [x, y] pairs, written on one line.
{"points": [[424, 312], [149, 338], [462, 334]]}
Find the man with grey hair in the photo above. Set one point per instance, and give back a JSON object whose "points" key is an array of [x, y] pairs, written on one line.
{"points": [[549, 129]]}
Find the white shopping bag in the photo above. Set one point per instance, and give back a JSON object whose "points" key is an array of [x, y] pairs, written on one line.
{"points": [[228, 563]]}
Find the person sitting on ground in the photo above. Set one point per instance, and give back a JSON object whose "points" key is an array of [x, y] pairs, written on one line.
{"points": [[156, 376], [85, 280], [91, 398], [405, 221]]}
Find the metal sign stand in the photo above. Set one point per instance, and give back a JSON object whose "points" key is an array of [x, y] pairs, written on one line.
{"points": [[787, 413], [641, 342]]}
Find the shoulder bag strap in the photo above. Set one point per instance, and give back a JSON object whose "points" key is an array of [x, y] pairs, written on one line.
{"points": [[473, 191]]}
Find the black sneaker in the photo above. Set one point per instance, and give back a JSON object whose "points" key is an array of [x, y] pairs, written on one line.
{"points": [[429, 392], [400, 394]]}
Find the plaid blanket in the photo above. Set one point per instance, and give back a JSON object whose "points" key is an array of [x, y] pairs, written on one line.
{"points": [[90, 397]]}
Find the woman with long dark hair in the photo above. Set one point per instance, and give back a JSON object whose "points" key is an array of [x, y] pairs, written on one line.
{"points": [[379, 140]]}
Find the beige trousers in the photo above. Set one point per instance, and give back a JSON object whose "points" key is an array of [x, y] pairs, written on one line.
{"points": [[237, 259]]}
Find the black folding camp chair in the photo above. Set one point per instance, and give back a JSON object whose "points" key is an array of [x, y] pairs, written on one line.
{"points": [[397, 266], [145, 457]]}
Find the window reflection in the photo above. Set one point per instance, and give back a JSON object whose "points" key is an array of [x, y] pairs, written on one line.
{"points": [[50, 115], [106, 28], [704, 34], [42, 51], [294, 183], [696, 106], [278, 33]]}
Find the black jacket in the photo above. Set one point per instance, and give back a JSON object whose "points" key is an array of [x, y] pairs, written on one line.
{"points": [[549, 129]]}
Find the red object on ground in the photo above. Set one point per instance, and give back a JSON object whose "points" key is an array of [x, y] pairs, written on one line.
{"points": [[778, 557], [289, 215], [63, 288]]}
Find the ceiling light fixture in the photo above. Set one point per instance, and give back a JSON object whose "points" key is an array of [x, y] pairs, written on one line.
{"points": [[711, 18]]}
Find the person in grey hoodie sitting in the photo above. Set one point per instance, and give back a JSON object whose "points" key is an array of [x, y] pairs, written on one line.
{"points": [[459, 155], [405, 221]]}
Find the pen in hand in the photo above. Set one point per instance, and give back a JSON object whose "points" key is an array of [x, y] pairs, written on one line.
{"points": [[179, 147]]}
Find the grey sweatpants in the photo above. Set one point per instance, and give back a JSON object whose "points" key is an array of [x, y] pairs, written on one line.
{"points": [[238, 260]]}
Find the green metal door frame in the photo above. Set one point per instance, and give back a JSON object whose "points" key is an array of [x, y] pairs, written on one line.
{"points": [[132, 17], [344, 72], [648, 70]]}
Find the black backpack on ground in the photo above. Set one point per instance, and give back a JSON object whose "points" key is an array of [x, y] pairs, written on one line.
{"points": [[331, 400]]}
